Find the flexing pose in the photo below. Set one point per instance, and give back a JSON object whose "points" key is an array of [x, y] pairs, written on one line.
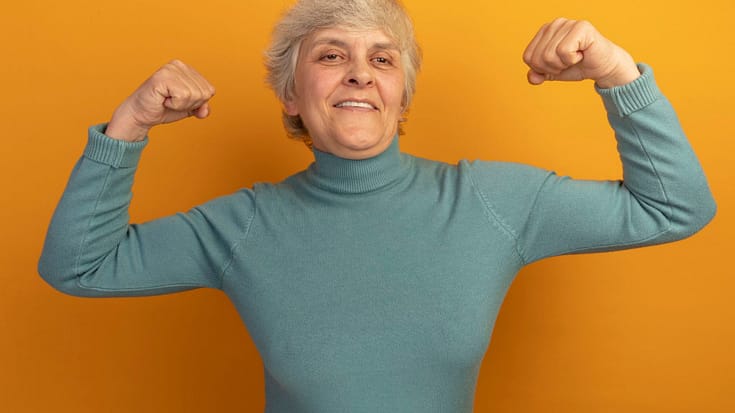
{"points": [[370, 281]]}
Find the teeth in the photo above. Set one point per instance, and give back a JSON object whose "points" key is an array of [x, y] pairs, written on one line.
{"points": [[354, 105]]}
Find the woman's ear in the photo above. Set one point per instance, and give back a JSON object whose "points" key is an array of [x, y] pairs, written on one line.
{"points": [[290, 107]]}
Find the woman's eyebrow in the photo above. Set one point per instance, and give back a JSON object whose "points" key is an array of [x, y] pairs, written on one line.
{"points": [[330, 42], [391, 47]]}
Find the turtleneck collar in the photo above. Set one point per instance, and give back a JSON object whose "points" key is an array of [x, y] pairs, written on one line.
{"points": [[354, 176]]}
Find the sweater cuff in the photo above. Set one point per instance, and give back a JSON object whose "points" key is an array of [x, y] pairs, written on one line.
{"points": [[114, 152], [626, 99]]}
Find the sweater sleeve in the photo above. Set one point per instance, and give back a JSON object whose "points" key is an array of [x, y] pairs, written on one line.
{"points": [[663, 196], [92, 250]]}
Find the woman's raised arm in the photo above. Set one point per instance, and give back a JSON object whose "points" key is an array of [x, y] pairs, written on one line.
{"points": [[92, 250], [663, 195]]}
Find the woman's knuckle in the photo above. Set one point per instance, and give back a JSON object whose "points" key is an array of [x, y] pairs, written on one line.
{"points": [[185, 94], [584, 25], [539, 60], [549, 55], [527, 57]]}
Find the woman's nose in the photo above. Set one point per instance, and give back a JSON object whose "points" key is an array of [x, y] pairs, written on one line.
{"points": [[360, 74]]}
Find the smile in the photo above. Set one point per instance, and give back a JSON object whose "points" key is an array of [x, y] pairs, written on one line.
{"points": [[355, 104]]}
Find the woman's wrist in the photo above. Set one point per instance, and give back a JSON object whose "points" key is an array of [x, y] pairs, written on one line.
{"points": [[124, 127], [625, 72]]}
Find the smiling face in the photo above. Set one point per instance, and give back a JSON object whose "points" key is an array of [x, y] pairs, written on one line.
{"points": [[349, 89]]}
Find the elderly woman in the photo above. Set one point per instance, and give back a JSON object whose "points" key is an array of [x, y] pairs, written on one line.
{"points": [[370, 281]]}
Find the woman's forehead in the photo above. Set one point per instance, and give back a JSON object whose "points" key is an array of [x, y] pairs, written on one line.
{"points": [[344, 37]]}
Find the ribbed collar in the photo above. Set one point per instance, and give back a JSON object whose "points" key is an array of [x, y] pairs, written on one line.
{"points": [[350, 176]]}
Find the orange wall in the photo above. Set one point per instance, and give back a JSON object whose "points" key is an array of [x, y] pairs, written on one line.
{"points": [[639, 331]]}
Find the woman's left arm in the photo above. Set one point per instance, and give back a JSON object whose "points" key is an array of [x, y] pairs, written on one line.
{"points": [[664, 194]]}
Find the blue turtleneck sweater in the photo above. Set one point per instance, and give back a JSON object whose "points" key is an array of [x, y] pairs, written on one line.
{"points": [[373, 285]]}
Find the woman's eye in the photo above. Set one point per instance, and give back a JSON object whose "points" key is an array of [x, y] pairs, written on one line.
{"points": [[382, 60], [331, 57]]}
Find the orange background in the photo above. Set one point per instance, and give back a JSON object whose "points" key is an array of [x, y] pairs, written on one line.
{"points": [[647, 330]]}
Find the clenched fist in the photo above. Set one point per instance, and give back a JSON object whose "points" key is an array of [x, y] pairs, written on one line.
{"points": [[574, 50], [173, 92]]}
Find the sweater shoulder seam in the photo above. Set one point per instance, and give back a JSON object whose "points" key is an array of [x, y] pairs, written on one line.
{"points": [[237, 243], [495, 219]]}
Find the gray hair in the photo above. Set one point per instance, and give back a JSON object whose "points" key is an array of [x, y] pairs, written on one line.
{"points": [[307, 16]]}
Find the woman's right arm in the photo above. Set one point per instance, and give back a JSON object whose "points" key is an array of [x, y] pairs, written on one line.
{"points": [[92, 250]]}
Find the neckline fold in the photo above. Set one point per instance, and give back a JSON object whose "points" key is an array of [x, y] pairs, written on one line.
{"points": [[355, 176]]}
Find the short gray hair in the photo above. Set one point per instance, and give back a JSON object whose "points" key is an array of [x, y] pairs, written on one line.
{"points": [[307, 16]]}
